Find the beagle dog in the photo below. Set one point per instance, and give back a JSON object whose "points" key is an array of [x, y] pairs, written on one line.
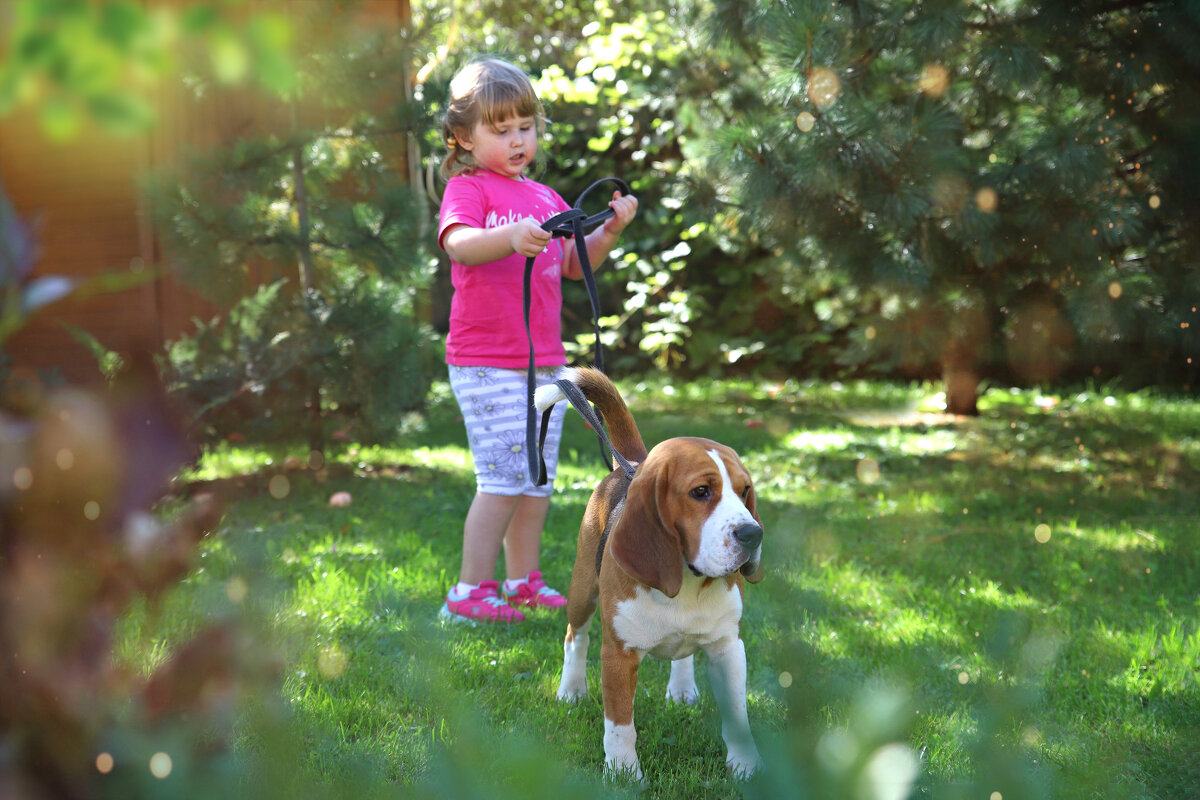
{"points": [[662, 556]]}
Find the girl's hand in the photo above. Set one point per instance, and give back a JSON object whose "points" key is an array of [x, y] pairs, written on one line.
{"points": [[625, 207], [527, 237]]}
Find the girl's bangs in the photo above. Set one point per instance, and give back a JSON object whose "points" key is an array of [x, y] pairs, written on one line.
{"points": [[505, 102]]}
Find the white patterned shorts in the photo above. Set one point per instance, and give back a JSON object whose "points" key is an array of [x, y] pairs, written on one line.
{"points": [[493, 403]]}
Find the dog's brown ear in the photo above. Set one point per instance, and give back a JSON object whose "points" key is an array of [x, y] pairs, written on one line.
{"points": [[643, 545], [752, 570]]}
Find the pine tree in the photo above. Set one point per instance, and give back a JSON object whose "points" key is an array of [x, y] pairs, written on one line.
{"points": [[310, 237], [1017, 177]]}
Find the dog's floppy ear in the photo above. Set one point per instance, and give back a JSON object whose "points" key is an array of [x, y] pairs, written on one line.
{"points": [[752, 570], [643, 545]]}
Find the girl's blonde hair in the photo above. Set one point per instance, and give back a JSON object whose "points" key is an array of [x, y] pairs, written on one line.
{"points": [[488, 91]]}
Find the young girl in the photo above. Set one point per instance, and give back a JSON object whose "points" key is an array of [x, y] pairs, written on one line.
{"points": [[490, 223]]}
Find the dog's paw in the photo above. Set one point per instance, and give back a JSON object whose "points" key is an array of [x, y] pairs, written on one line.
{"points": [[681, 688], [688, 695], [571, 692], [744, 765], [623, 771]]}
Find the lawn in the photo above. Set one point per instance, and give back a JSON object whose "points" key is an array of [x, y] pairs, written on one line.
{"points": [[1000, 607]]}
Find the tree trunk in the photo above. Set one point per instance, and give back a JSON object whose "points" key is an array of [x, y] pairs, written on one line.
{"points": [[960, 379], [311, 389]]}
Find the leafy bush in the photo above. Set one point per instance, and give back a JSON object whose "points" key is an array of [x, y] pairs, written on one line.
{"points": [[246, 375]]}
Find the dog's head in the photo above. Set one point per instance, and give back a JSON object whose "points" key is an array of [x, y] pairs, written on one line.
{"points": [[690, 505]]}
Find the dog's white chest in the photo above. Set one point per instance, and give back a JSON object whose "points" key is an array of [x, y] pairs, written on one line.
{"points": [[676, 627]]}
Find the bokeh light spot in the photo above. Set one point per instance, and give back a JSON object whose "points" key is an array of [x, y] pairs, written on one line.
{"points": [[1042, 533], [316, 459], [995, 796], [332, 661], [805, 121], [23, 478], [868, 471], [837, 749], [824, 86], [785, 679], [1155, 201], [986, 200], [279, 486], [891, 772], [236, 590], [935, 80], [91, 510], [950, 192], [65, 459], [1114, 290], [964, 678], [104, 763], [160, 765]]}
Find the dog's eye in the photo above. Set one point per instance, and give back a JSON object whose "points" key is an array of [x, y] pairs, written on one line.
{"points": [[746, 493], [701, 493]]}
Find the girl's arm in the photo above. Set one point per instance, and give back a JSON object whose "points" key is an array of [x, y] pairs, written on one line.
{"points": [[603, 239], [471, 246]]}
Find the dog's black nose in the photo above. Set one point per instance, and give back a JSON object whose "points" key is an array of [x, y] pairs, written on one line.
{"points": [[748, 535]]}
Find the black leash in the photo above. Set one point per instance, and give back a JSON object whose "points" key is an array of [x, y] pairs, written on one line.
{"points": [[588, 412], [571, 222]]}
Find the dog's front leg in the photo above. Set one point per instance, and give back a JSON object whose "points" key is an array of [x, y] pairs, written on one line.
{"points": [[573, 684], [727, 670], [618, 677]]}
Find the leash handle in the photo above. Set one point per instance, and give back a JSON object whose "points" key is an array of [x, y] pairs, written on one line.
{"points": [[607, 213], [563, 223]]}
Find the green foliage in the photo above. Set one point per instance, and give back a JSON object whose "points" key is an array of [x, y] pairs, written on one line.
{"points": [[76, 60], [246, 374], [232, 219], [622, 83], [109, 362], [322, 214], [992, 178]]}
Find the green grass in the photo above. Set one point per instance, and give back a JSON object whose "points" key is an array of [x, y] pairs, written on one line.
{"points": [[1010, 601]]}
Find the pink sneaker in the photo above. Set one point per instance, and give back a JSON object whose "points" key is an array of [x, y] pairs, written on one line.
{"points": [[482, 604], [535, 593]]}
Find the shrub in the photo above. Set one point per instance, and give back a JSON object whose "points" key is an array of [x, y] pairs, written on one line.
{"points": [[247, 375]]}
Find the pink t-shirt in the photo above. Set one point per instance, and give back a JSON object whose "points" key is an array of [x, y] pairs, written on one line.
{"points": [[487, 324]]}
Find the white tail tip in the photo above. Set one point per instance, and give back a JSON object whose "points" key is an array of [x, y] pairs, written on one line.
{"points": [[546, 396]]}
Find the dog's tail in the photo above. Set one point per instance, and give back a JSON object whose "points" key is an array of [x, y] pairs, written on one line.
{"points": [[600, 391]]}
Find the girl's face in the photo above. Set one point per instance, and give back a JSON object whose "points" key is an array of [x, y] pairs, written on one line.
{"points": [[506, 148]]}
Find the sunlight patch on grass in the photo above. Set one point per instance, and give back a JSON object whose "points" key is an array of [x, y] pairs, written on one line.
{"points": [[453, 458], [816, 441], [329, 600], [226, 459], [1164, 660], [915, 441], [1124, 538], [576, 477]]}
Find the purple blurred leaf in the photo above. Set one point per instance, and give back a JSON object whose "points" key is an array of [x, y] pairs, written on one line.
{"points": [[152, 429], [44, 291], [18, 252]]}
